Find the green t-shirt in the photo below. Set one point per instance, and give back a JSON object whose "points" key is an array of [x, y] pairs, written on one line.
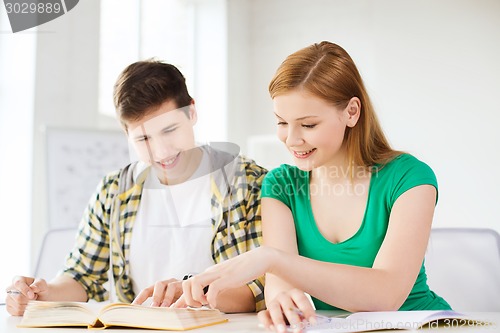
{"points": [[290, 185]]}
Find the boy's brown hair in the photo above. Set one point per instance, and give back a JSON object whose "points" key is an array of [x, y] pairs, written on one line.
{"points": [[144, 85]]}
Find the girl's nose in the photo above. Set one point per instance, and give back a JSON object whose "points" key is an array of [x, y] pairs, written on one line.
{"points": [[294, 137]]}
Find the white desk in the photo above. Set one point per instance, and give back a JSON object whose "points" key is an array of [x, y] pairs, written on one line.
{"points": [[246, 322]]}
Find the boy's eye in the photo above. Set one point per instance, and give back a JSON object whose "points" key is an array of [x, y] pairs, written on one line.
{"points": [[168, 130], [308, 126], [144, 138]]}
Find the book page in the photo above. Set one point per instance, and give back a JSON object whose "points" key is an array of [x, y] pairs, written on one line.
{"points": [[51, 314], [128, 315], [373, 321], [95, 315], [400, 319]]}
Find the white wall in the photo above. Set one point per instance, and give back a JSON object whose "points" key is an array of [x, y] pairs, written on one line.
{"points": [[66, 93], [431, 67], [17, 68], [67, 87]]}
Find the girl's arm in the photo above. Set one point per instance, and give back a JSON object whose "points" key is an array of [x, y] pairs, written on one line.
{"points": [[388, 283], [385, 286], [278, 231]]}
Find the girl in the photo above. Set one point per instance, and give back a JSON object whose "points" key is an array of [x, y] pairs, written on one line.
{"points": [[349, 224]]}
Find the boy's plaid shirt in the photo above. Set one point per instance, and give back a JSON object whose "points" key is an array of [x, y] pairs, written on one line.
{"points": [[89, 261]]}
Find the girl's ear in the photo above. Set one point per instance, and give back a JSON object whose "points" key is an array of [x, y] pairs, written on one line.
{"points": [[353, 111]]}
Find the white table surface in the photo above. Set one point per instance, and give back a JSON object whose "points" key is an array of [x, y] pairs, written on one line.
{"points": [[246, 322]]}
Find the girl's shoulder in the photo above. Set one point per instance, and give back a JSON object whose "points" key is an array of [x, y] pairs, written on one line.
{"points": [[402, 173], [286, 173], [402, 164]]}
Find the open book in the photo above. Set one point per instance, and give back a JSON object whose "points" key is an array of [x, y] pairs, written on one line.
{"points": [[94, 315], [403, 320]]}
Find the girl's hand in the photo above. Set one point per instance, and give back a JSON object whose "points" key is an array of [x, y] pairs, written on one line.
{"points": [[229, 274], [291, 307]]}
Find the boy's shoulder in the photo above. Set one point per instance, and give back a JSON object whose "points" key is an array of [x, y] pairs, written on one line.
{"points": [[123, 177], [229, 156]]}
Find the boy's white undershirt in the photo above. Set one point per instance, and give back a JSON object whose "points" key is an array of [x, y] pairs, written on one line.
{"points": [[172, 233]]}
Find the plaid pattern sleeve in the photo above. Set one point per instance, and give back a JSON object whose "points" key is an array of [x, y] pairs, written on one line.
{"points": [[88, 262], [117, 199], [239, 226]]}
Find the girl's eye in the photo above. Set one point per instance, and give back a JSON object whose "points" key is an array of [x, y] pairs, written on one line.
{"points": [[308, 126], [281, 123]]}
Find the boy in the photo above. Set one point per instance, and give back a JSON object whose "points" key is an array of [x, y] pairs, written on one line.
{"points": [[178, 210]]}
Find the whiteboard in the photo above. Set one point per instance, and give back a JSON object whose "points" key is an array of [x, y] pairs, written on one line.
{"points": [[77, 159]]}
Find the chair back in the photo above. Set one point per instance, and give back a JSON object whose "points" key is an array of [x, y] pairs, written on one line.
{"points": [[56, 245], [463, 267]]}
